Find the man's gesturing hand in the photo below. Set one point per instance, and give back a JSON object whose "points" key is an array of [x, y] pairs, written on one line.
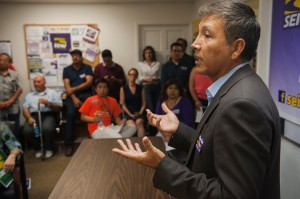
{"points": [[166, 124], [150, 158]]}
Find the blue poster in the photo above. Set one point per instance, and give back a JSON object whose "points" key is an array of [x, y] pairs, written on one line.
{"points": [[61, 42], [285, 58]]}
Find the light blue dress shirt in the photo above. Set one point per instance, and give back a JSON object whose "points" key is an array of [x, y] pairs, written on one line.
{"points": [[31, 100], [215, 87]]}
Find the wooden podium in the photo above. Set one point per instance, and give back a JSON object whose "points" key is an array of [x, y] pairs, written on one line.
{"points": [[96, 172]]}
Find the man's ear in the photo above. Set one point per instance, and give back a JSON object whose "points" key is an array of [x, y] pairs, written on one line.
{"points": [[238, 46]]}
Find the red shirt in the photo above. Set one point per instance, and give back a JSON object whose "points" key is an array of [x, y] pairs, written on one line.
{"points": [[11, 67], [202, 82]]}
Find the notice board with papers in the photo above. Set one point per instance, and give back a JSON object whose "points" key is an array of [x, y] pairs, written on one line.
{"points": [[48, 48]]}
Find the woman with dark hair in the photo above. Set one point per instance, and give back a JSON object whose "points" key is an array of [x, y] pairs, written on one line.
{"points": [[172, 94], [149, 76]]}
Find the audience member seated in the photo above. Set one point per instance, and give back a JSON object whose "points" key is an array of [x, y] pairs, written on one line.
{"points": [[177, 68], [133, 100], [14, 147], [112, 72], [173, 96], [198, 85], [100, 110], [49, 102], [78, 80], [10, 91]]}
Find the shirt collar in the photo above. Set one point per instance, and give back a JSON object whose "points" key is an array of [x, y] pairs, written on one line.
{"points": [[9, 72], [41, 93], [215, 87], [112, 65]]}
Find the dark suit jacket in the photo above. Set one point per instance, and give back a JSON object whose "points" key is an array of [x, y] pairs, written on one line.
{"points": [[241, 151]]}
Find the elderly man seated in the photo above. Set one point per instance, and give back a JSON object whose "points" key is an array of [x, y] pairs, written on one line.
{"points": [[49, 102]]}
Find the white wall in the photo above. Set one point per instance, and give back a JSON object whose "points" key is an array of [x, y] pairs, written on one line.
{"points": [[118, 24]]}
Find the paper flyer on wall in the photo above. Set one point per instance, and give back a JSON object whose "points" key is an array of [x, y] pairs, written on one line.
{"points": [[91, 52], [76, 37], [5, 47], [35, 65], [33, 47], [46, 49], [51, 77], [49, 64], [34, 32], [5, 178], [63, 60], [60, 81], [59, 29], [91, 34]]}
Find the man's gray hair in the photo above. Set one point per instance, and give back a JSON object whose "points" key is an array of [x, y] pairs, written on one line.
{"points": [[239, 22]]}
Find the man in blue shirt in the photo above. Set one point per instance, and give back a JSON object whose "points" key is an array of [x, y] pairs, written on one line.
{"points": [[177, 68], [78, 79]]}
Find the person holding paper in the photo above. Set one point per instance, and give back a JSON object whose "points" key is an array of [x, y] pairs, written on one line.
{"points": [[235, 151], [100, 111], [112, 72], [9, 140]]}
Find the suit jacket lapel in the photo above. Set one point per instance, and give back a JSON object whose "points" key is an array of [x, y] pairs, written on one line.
{"points": [[239, 74]]}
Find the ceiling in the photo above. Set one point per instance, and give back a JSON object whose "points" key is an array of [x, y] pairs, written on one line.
{"points": [[253, 3], [96, 1]]}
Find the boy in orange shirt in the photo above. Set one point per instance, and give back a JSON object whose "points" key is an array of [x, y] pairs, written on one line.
{"points": [[100, 109]]}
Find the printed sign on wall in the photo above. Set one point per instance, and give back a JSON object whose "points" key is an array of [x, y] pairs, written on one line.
{"points": [[285, 60]]}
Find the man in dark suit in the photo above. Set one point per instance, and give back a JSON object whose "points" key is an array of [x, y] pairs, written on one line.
{"points": [[235, 150]]}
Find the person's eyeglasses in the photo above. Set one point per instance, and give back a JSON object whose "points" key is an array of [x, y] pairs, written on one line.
{"points": [[176, 51], [4, 60], [132, 74]]}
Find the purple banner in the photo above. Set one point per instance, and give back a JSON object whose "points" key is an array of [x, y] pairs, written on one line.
{"points": [[285, 58], [61, 42]]}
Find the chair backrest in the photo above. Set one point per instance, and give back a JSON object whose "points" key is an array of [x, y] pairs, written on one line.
{"points": [[19, 176]]}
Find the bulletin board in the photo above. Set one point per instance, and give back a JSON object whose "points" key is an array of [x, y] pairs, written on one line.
{"points": [[48, 48]]}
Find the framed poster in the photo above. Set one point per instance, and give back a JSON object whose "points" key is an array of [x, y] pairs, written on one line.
{"points": [[284, 79]]}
